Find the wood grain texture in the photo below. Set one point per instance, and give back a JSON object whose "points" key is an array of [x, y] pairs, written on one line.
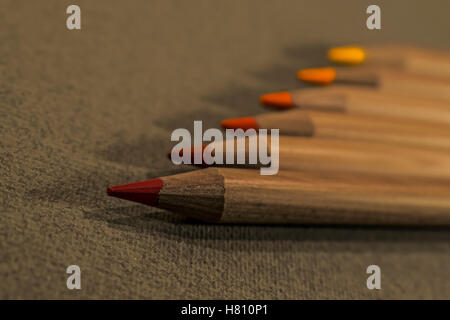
{"points": [[414, 85], [333, 125], [317, 198], [361, 76], [396, 82], [292, 122], [331, 155], [330, 98], [366, 101], [421, 61], [199, 193]]}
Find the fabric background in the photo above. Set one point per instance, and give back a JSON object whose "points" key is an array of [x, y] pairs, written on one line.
{"points": [[82, 110]]}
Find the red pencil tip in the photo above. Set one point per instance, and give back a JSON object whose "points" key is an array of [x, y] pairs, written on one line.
{"points": [[279, 100], [109, 192], [240, 123], [146, 192]]}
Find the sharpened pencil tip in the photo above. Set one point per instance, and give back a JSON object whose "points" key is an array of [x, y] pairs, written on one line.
{"points": [[279, 100], [146, 192], [109, 191], [347, 55], [240, 123], [317, 75]]}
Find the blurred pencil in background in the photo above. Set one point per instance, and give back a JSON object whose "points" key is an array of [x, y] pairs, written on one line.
{"points": [[383, 80], [408, 59], [330, 155], [361, 101], [334, 125]]}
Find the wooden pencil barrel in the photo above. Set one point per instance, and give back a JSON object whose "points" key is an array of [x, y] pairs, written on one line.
{"points": [[306, 198]]}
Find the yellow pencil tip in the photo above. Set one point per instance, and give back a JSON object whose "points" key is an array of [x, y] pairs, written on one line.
{"points": [[347, 55], [317, 75]]}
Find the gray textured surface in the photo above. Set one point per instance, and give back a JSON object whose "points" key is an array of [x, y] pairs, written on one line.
{"points": [[87, 109]]}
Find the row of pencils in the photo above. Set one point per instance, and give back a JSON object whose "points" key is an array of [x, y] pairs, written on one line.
{"points": [[370, 145]]}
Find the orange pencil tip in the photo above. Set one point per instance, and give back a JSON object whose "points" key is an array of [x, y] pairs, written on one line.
{"points": [[317, 75], [240, 123], [279, 100]]}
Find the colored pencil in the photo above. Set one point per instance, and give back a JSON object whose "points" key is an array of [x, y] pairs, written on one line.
{"points": [[333, 125], [322, 155], [382, 80], [361, 101], [427, 62], [228, 195]]}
